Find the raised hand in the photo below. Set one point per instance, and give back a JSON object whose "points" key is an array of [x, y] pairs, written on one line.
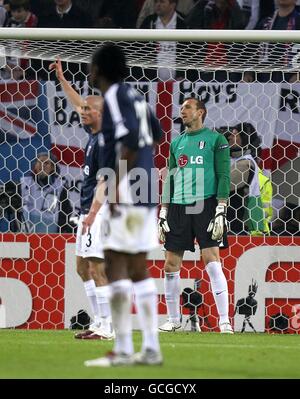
{"points": [[58, 69]]}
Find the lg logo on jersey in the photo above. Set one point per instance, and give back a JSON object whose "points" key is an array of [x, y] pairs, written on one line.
{"points": [[183, 160], [86, 170], [197, 160]]}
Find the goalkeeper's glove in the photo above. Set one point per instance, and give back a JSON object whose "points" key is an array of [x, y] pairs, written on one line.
{"points": [[218, 225], [163, 226]]}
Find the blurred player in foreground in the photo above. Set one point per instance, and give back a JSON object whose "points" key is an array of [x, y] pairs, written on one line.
{"points": [[89, 251], [129, 229]]}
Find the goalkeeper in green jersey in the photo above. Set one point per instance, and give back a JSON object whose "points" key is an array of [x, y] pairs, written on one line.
{"points": [[193, 207]]}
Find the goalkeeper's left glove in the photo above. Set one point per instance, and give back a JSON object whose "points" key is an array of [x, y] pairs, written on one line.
{"points": [[218, 225]]}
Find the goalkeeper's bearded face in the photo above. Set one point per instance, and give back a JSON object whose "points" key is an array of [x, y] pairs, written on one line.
{"points": [[190, 113]]}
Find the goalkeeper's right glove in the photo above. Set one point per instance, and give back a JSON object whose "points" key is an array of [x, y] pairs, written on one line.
{"points": [[218, 225], [163, 226]]}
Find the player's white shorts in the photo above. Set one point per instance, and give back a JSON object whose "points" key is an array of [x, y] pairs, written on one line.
{"points": [[132, 231], [90, 244]]}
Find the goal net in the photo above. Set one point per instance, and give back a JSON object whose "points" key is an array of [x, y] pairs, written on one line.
{"points": [[249, 83], [195, 49]]}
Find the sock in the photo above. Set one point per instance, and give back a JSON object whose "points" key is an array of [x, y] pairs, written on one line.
{"points": [[172, 294], [219, 289], [146, 304], [102, 295], [90, 290], [120, 302]]}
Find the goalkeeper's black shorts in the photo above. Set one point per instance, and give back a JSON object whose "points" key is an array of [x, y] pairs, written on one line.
{"points": [[189, 223]]}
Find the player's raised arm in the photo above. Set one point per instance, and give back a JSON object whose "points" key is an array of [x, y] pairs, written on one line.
{"points": [[72, 95]]}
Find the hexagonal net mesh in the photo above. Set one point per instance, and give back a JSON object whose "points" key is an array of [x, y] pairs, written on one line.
{"points": [[195, 49], [40, 129], [202, 56]]}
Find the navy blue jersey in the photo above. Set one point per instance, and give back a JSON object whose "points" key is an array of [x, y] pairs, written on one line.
{"points": [[128, 120], [92, 163]]}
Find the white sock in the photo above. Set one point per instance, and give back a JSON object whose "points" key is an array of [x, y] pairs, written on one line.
{"points": [[102, 294], [90, 290], [120, 302], [146, 304], [219, 289], [172, 294]]}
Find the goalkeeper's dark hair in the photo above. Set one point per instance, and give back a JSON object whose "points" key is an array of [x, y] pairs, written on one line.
{"points": [[200, 105], [111, 62]]}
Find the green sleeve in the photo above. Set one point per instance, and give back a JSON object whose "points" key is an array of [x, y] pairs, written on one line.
{"points": [[222, 167], [168, 186]]}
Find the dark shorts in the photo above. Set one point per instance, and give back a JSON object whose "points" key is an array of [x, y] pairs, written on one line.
{"points": [[186, 227]]}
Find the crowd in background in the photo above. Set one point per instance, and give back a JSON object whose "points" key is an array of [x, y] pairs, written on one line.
{"points": [[156, 14], [193, 14]]}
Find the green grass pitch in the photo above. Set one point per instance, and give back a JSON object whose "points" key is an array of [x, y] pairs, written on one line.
{"points": [[56, 354]]}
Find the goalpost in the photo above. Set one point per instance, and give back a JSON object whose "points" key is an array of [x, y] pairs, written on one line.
{"points": [[243, 77]]}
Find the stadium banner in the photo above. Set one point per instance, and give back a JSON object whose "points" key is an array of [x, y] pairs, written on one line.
{"points": [[272, 108], [288, 117], [40, 289]]}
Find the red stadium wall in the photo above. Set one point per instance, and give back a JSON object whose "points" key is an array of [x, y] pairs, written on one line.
{"points": [[44, 271]]}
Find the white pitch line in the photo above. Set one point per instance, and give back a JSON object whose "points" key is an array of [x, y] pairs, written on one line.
{"points": [[198, 344]]}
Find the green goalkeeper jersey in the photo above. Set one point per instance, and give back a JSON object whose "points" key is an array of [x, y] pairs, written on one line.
{"points": [[199, 168]]}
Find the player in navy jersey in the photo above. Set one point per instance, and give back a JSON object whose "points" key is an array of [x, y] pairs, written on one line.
{"points": [[89, 251], [128, 231]]}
